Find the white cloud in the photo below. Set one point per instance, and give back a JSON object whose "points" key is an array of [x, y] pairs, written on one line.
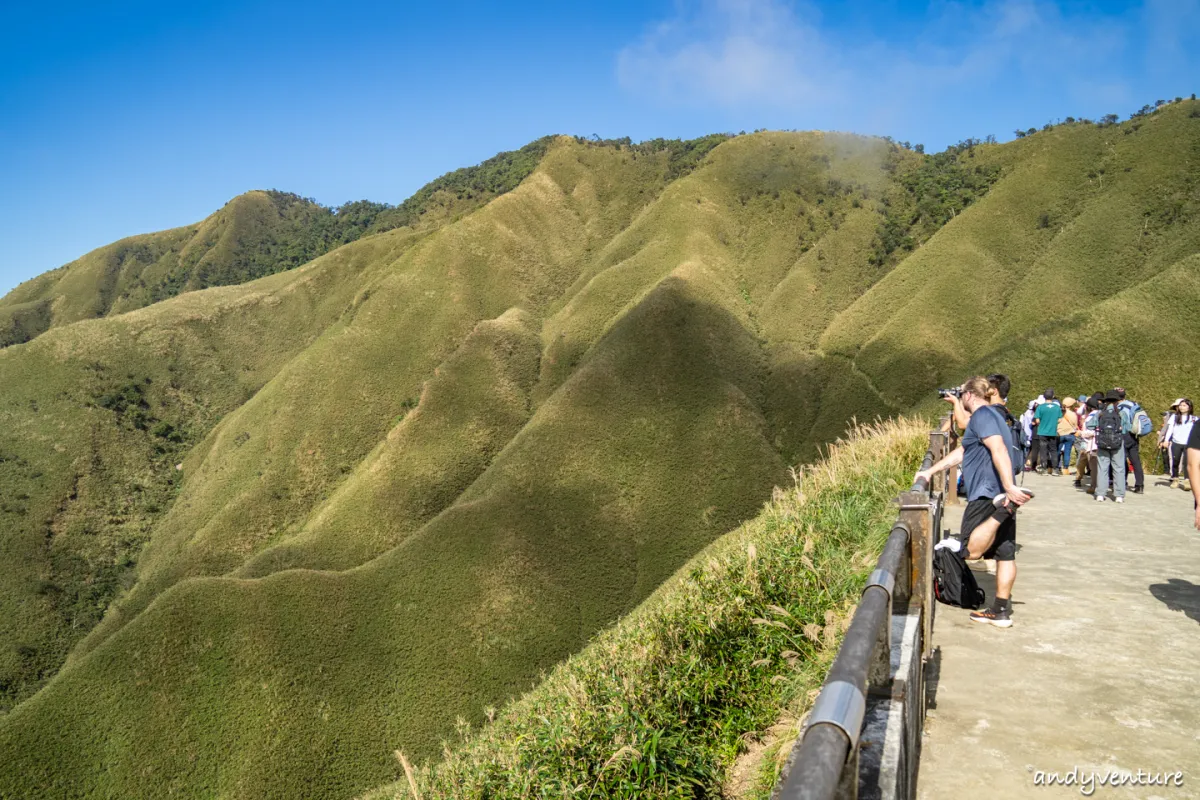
{"points": [[772, 54], [731, 52]]}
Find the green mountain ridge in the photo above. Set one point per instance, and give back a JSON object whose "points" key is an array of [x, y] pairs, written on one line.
{"points": [[255, 234], [424, 467]]}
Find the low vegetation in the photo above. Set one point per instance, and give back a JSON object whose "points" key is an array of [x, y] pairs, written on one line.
{"points": [[259, 536], [662, 704]]}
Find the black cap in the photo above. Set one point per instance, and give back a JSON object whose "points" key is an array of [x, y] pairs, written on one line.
{"points": [[1112, 397]]}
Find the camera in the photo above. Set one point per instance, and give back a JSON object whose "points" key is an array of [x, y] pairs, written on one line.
{"points": [[955, 392]]}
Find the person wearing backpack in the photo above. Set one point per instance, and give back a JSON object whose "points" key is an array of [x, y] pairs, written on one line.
{"points": [[1110, 426], [987, 472], [1140, 425], [1175, 438]]}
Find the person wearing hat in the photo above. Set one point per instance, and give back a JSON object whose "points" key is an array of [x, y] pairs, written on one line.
{"points": [[1175, 435], [1046, 418], [1066, 433], [1087, 443], [1110, 426]]}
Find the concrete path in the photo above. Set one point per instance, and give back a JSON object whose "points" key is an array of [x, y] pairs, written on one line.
{"points": [[1101, 669]]}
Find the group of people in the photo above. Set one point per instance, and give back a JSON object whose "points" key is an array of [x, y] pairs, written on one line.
{"points": [[1105, 427]]}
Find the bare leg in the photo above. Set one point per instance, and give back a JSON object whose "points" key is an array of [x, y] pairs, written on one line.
{"points": [[1006, 576], [982, 538]]}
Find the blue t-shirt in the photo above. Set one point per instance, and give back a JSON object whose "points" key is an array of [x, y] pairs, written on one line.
{"points": [[980, 478]]}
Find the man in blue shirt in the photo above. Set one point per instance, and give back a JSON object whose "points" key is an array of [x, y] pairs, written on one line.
{"points": [[988, 524]]}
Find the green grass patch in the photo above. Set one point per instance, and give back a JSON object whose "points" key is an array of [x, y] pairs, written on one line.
{"points": [[661, 704]]}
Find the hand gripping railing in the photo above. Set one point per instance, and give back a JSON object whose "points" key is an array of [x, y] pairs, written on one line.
{"points": [[824, 763]]}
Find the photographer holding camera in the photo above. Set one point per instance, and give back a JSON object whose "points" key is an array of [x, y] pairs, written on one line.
{"points": [[988, 524]]}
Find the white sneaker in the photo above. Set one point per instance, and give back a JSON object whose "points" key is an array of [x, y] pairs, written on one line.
{"points": [[1120, 499], [1101, 499]]}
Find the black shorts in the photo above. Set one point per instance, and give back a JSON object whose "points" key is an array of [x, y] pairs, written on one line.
{"points": [[1004, 546]]}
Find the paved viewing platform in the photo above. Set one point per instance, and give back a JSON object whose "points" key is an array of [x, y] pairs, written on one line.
{"points": [[1101, 669]]}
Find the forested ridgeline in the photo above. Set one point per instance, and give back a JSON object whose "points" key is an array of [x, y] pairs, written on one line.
{"points": [[259, 536]]}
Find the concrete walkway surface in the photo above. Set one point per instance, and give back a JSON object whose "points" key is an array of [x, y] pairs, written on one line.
{"points": [[1101, 669]]}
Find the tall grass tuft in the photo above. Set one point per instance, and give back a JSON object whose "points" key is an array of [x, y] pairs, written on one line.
{"points": [[661, 704]]}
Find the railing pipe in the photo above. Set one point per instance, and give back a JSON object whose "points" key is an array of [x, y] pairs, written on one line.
{"points": [[823, 764], [836, 719], [921, 484]]}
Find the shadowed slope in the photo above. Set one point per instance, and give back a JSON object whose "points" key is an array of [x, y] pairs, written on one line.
{"points": [[93, 418], [548, 545], [696, 336], [274, 460]]}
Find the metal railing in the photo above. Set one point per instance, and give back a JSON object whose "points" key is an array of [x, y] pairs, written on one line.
{"points": [[825, 762]]}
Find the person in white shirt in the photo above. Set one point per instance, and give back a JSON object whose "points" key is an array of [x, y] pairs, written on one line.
{"points": [[1087, 443], [1026, 422], [1175, 438]]}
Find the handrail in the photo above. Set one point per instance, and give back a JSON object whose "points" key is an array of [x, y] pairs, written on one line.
{"points": [[823, 764], [837, 716], [921, 484]]}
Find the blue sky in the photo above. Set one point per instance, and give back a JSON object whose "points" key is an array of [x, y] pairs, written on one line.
{"points": [[123, 118]]}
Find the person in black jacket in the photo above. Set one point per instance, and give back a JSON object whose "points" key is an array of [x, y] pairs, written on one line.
{"points": [[1132, 455]]}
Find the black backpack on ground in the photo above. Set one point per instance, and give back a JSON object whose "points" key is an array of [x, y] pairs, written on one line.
{"points": [[1109, 428], [953, 582]]}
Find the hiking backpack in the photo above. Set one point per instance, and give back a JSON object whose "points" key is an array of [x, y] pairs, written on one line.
{"points": [[1016, 452], [1109, 429], [953, 582], [1140, 421]]}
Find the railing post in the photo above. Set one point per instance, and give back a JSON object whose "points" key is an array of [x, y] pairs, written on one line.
{"points": [[937, 446], [951, 495], [916, 513]]}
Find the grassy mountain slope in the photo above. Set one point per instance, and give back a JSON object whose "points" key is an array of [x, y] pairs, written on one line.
{"points": [[660, 704], [270, 464], [504, 433], [258, 233], [576, 519], [1082, 213], [255, 234], [93, 419]]}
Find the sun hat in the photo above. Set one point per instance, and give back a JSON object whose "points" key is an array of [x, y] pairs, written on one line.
{"points": [[1112, 396], [1069, 402]]}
